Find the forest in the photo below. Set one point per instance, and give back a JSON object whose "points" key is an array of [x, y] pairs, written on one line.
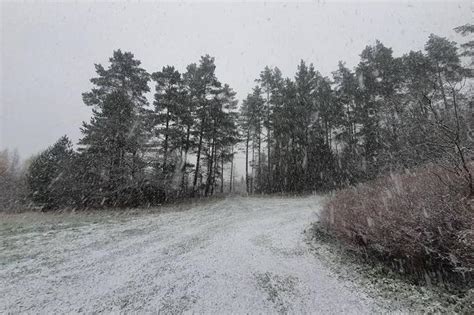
{"points": [[303, 134]]}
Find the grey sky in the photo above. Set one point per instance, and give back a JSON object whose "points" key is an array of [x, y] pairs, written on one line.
{"points": [[48, 50]]}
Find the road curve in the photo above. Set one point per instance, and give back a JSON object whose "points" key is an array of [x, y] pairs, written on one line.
{"points": [[239, 255]]}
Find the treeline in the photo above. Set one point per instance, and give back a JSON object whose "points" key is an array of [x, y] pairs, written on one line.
{"points": [[387, 114], [309, 133], [134, 154], [417, 222]]}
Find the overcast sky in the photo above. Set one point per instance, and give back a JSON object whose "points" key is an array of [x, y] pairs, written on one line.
{"points": [[48, 51]]}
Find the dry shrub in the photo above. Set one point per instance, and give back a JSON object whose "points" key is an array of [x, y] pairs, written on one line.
{"points": [[418, 223]]}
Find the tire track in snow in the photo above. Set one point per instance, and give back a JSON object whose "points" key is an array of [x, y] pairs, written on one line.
{"points": [[245, 255]]}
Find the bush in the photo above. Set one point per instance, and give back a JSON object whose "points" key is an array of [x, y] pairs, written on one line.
{"points": [[12, 183], [418, 223]]}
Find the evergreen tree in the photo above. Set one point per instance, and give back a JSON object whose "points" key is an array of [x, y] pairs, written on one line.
{"points": [[347, 98], [48, 176], [378, 80], [203, 86], [168, 107], [251, 123], [468, 47], [114, 140], [267, 82], [446, 70]]}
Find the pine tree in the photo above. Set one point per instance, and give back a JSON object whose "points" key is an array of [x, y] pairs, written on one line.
{"points": [[48, 176], [114, 140], [379, 77], [203, 86], [267, 84], [347, 98], [169, 105], [468, 47], [251, 125], [228, 135]]}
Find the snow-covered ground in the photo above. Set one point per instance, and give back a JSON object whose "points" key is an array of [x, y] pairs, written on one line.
{"points": [[244, 255]]}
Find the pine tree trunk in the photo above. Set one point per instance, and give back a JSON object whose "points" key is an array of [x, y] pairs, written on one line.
{"points": [[216, 167], [183, 169], [247, 161], [253, 166], [443, 93], [326, 131], [198, 158], [269, 143], [231, 181], [222, 174], [269, 164], [259, 170], [210, 170], [165, 145]]}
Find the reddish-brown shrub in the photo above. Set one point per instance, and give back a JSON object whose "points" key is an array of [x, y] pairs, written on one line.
{"points": [[419, 223]]}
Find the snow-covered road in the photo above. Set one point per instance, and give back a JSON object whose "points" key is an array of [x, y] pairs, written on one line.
{"points": [[239, 255]]}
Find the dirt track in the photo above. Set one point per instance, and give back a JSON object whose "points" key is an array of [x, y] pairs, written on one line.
{"points": [[245, 255]]}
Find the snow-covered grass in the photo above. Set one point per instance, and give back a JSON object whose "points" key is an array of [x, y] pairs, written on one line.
{"points": [[246, 255]]}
